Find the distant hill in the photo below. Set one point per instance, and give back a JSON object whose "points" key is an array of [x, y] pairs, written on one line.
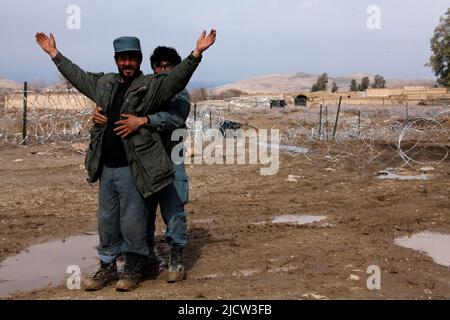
{"points": [[61, 85], [205, 84], [302, 82], [6, 84]]}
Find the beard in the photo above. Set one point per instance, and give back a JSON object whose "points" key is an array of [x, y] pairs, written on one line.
{"points": [[128, 72]]}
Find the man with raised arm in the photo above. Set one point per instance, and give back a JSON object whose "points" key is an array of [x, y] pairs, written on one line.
{"points": [[172, 198], [131, 166]]}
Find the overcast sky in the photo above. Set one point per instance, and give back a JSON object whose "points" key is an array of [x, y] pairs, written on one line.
{"points": [[255, 37]]}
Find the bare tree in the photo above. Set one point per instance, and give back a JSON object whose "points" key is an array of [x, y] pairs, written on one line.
{"points": [[199, 94]]}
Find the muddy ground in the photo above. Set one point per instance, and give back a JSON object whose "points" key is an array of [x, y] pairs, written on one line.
{"points": [[44, 195]]}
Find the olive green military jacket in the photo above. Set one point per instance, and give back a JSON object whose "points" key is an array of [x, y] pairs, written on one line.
{"points": [[150, 164]]}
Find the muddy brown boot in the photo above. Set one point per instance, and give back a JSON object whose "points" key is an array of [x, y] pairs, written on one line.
{"points": [[176, 268], [151, 266], [106, 274], [132, 274]]}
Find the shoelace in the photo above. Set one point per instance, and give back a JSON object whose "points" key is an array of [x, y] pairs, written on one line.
{"points": [[101, 271], [130, 268]]}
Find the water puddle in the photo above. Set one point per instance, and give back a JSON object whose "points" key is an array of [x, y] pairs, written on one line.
{"points": [[287, 148], [294, 149], [245, 273], [209, 277], [295, 219], [292, 178], [298, 219], [282, 269], [435, 245], [327, 225], [203, 221], [403, 174], [46, 264]]}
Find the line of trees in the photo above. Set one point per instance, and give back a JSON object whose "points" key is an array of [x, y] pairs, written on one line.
{"points": [[378, 83], [322, 84]]}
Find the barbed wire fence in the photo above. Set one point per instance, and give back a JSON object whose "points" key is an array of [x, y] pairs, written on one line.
{"points": [[44, 117], [64, 117], [204, 117], [420, 139]]}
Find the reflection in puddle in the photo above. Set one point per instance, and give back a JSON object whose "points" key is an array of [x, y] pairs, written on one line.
{"points": [[298, 219], [44, 264], [435, 245]]}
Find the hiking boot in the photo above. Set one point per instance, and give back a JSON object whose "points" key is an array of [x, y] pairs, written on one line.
{"points": [[133, 272], [176, 268], [106, 274], [151, 266]]}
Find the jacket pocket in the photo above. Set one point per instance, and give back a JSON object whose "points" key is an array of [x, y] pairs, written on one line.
{"points": [[92, 160], [150, 153], [135, 101]]}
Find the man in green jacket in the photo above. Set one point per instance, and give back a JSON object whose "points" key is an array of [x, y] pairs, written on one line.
{"points": [[130, 166], [172, 198]]}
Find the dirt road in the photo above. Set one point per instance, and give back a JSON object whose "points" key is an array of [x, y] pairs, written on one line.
{"points": [[44, 196]]}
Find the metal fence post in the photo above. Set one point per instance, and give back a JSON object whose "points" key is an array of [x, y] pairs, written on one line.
{"points": [[337, 118], [210, 119], [320, 121], [407, 111], [359, 123], [195, 112], [24, 119]]}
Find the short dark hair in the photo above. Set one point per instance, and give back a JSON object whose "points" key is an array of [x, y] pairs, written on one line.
{"points": [[138, 53], [162, 54]]}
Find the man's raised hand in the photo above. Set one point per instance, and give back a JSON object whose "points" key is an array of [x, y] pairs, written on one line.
{"points": [[204, 42], [48, 44]]}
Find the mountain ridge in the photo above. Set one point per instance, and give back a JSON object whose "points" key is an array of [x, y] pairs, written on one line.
{"points": [[302, 82]]}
